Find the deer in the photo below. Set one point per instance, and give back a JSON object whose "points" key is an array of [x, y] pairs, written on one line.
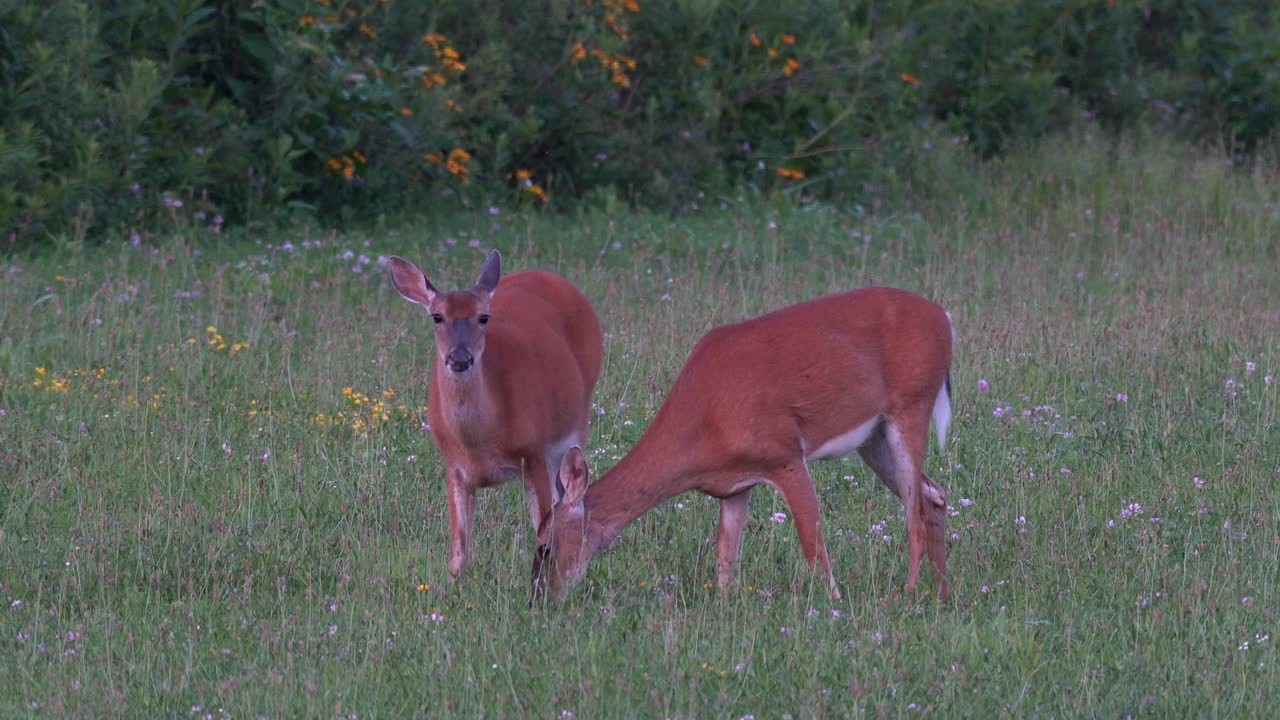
{"points": [[516, 360], [755, 403]]}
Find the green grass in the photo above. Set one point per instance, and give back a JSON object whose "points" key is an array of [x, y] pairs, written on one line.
{"points": [[188, 531]]}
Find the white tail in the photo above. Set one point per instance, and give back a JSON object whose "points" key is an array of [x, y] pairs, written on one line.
{"points": [[942, 405], [516, 360], [755, 403]]}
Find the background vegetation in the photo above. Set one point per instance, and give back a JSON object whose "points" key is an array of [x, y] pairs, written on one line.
{"points": [[118, 115], [217, 498]]}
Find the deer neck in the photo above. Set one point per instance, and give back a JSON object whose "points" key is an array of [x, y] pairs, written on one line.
{"points": [[652, 473], [470, 404]]}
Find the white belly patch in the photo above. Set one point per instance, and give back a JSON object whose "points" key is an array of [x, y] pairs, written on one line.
{"points": [[845, 443]]}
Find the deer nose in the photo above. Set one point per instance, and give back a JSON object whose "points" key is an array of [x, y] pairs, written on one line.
{"points": [[460, 359]]}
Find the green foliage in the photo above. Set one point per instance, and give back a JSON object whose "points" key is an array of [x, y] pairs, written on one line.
{"points": [[112, 111]]}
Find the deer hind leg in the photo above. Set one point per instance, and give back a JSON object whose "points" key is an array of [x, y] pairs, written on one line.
{"points": [[935, 522], [797, 489], [733, 518], [895, 452], [461, 498]]}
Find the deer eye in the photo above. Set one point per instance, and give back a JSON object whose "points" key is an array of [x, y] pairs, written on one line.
{"points": [[437, 318], [484, 319]]}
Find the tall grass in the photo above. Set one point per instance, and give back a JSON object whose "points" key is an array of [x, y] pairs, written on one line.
{"points": [[248, 520]]}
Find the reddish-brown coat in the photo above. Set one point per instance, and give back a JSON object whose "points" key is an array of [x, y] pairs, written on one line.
{"points": [[537, 347], [754, 401]]}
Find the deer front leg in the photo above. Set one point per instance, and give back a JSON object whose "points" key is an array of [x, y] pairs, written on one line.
{"points": [[537, 488], [733, 518], [797, 488], [461, 510]]}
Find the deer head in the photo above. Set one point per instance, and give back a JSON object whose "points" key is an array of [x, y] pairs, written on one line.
{"points": [[564, 549], [460, 316]]}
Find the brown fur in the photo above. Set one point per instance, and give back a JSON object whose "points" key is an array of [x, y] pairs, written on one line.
{"points": [[536, 363], [752, 402]]}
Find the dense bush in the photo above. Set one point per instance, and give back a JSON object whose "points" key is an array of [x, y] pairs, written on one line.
{"points": [[117, 113]]}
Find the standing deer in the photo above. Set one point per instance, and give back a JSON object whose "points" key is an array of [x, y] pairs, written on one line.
{"points": [[755, 403], [516, 361]]}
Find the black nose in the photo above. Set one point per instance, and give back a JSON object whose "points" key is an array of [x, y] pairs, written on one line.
{"points": [[460, 360]]}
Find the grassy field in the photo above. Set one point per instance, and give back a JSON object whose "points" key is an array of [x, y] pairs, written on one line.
{"points": [[217, 498]]}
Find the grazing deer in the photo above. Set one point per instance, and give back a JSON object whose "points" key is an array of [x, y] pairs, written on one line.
{"points": [[755, 403], [516, 361]]}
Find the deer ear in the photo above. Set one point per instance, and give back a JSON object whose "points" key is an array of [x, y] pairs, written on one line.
{"points": [[490, 273], [410, 282], [573, 476]]}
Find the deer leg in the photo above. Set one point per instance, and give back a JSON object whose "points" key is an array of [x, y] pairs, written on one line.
{"points": [[906, 438], [797, 489], [733, 518], [461, 510], [537, 487], [876, 454], [879, 456], [935, 522]]}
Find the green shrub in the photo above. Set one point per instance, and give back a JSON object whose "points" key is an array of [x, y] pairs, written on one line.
{"points": [[120, 115]]}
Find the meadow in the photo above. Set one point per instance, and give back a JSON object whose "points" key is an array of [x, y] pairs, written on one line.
{"points": [[218, 497]]}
